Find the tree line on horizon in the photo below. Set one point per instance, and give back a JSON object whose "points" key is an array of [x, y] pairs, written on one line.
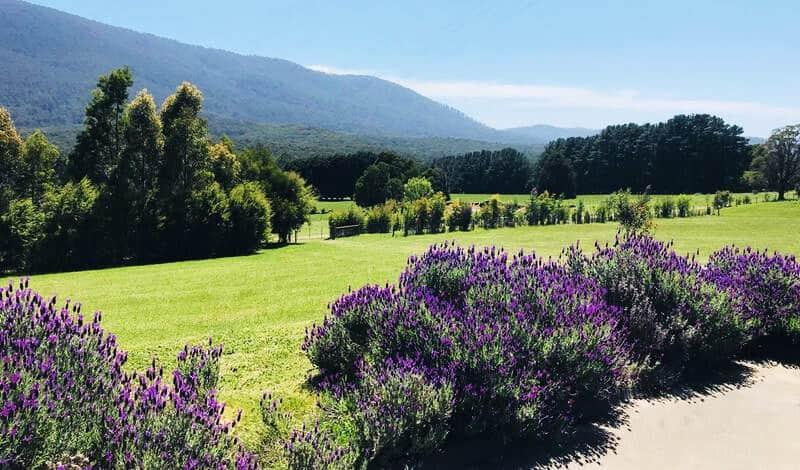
{"points": [[142, 184], [697, 153]]}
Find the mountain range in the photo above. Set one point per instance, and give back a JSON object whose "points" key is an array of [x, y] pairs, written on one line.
{"points": [[51, 61]]}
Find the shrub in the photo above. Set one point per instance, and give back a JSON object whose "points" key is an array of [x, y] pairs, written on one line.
{"points": [[509, 213], [602, 212], [722, 199], [65, 394], [580, 215], [560, 212], [249, 218], [352, 216], [676, 323], [315, 448], [544, 209], [459, 216], [418, 215], [632, 213], [520, 343], [764, 289], [684, 206], [665, 208], [399, 415], [380, 218], [491, 212], [438, 204]]}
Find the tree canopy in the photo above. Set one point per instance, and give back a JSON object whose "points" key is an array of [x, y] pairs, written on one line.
{"points": [[686, 154], [141, 185]]}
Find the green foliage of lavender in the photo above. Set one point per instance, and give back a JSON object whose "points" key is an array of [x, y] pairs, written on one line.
{"points": [[523, 346], [675, 322], [64, 396]]}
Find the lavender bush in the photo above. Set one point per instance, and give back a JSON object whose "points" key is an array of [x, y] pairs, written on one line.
{"points": [[675, 322], [65, 396], [524, 346], [523, 343], [764, 289]]}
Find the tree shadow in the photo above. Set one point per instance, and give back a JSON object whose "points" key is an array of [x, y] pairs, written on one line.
{"points": [[709, 383], [589, 442], [774, 349]]}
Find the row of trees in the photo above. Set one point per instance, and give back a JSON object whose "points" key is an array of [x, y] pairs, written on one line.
{"points": [[367, 177], [419, 209], [686, 154], [373, 178], [504, 171], [141, 185]]}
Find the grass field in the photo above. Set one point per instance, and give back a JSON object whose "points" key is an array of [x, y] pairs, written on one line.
{"points": [[259, 305], [317, 227]]}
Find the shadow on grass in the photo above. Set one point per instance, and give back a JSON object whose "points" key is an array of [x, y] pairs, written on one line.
{"points": [[588, 442]]}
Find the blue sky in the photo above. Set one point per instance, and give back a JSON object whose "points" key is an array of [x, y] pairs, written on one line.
{"points": [[514, 63]]}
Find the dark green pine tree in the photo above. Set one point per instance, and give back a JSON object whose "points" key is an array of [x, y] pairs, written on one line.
{"points": [[134, 181], [186, 169], [100, 144]]}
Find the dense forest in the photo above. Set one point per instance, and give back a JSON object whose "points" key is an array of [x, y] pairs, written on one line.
{"points": [[504, 171], [289, 142], [140, 185], [686, 154]]}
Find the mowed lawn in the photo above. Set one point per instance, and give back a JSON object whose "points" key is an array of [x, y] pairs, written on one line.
{"points": [[260, 305]]}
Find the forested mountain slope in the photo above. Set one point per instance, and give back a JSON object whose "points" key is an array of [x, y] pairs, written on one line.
{"points": [[51, 60]]}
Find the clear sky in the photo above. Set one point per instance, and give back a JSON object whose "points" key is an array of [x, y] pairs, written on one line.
{"points": [[513, 63]]}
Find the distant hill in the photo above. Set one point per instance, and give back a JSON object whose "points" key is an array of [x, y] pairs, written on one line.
{"points": [[545, 133], [289, 141], [51, 60]]}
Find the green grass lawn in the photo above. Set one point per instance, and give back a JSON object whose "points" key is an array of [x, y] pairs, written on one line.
{"points": [[259, 305]]}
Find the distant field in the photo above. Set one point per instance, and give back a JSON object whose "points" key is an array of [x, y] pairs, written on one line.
{"points": [[260, 305], [317, 228]]}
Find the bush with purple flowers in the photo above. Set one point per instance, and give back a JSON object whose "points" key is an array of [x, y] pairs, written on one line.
{"points": [[64, 396], [398, 413], [526, 347], [675, 322], [523, 344], [764, 289]]}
